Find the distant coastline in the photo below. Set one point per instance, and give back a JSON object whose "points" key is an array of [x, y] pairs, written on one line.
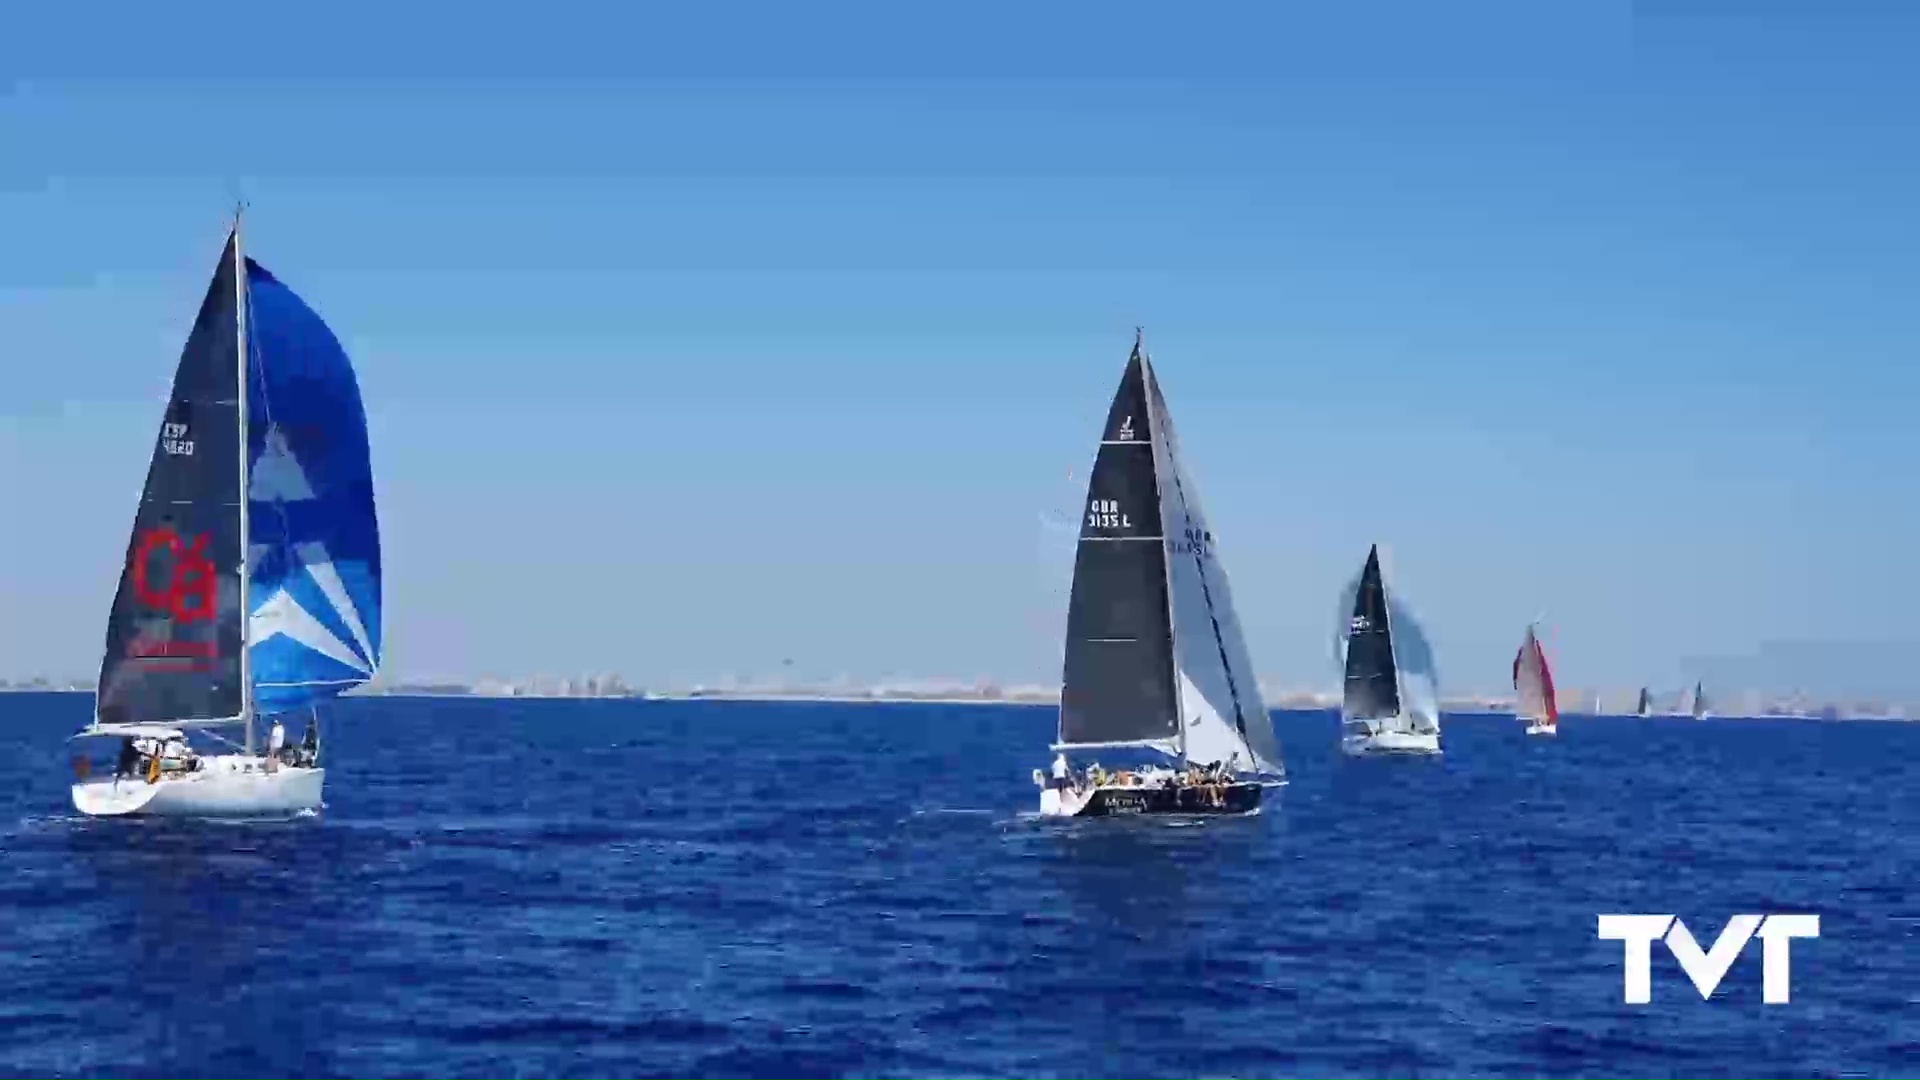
{"points": [[1575, 703]]}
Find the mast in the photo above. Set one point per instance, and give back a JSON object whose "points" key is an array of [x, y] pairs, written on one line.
{"points": [[246, 573], [1166, 564]]}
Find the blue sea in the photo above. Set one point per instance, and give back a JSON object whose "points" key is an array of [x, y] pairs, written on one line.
{"points": [[627, 888]]}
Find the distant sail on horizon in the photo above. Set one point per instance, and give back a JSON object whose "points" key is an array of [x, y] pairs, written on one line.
{"points": [[1533, 683], [1390, 697]]}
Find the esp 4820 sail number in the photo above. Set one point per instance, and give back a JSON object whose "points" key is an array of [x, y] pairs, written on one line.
{"points": [[174, 440]]}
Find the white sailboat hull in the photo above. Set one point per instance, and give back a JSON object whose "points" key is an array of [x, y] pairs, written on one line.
{"points": [[1537, 728], [225, 786], [1385, 741]]}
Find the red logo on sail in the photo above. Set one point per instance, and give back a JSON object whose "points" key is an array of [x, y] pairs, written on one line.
{"points": [[189, 593]]}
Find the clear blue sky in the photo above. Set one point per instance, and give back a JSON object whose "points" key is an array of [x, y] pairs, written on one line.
{"points": [[698, 337]]}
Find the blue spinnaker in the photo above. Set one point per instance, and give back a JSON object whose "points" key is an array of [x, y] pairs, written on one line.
{"points": [[314, 540]]}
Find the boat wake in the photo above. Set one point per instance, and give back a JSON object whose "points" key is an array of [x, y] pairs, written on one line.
{"points": [[303, 814], [1122, 821]]}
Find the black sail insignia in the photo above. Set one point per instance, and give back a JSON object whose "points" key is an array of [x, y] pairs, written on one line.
{"points": [[1118, 681], [173, 636], [1372, 687]]}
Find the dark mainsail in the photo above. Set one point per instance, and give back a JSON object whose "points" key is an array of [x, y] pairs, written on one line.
{"points": [[1118, 681], [1372, 690], [173, 637], [1646, 703]]}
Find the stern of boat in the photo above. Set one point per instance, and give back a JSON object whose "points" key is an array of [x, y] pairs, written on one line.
{"points": [[1057, 801], [113, 798]]}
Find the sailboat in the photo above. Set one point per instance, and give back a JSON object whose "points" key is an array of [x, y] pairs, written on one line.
{"points": [[1698, 707], [1533, 683], [235, 610], [1645, 707], [1155, 660], [1391, 704]]}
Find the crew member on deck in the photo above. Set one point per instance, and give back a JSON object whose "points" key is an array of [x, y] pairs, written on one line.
{"points": [[129, 759], [276, 739], [1061, 774]]}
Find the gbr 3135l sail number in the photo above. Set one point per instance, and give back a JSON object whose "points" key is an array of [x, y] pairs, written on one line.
{"points": [[1106, 514]]}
